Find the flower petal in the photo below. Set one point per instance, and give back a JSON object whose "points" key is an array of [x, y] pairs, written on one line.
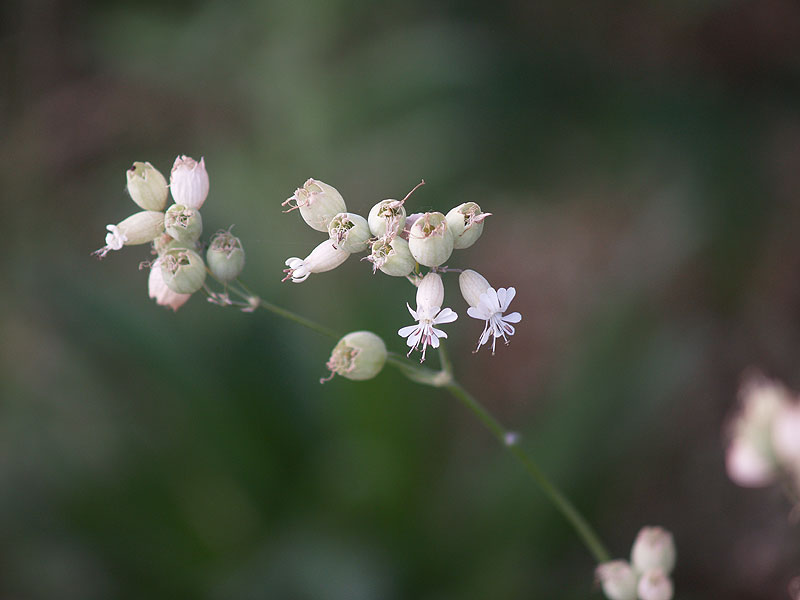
{"points": [[506, 298], [514, 317], [446, 315], [478, 312], [406, 331]]}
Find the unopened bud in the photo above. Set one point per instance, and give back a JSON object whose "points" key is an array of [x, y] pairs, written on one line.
{"points": [[350, 232], [618, 580], [391, 256], [358, 356], [387, 218], [147, 186], [430, 240], [466, 223], [324, 257], [472, 285], [183, 223], [654, 547], [183, 270], [318, 203], [654, 584], [188, 182], [225, 256]]}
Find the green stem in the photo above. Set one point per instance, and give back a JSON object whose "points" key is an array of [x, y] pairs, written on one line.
{"points": [[444, 379], [559, 500]]}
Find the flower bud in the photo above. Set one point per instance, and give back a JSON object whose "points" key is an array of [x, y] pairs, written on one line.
{"points": [[392, 257], [387, 218], [188, 182], [350, 232], [618, 580], [655, 585], [147, 186], [466, 223], [358, 356], [183, 223], [430, 240], [158, 290], [183, 270], [472, 285], [324, 257], [430, 293], [318, 203], [654, 547], [225, 256]]}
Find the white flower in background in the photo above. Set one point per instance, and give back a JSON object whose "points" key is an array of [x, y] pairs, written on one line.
{"points": [[618, 580], [654, 547], [646, 577], [750, 458], [488, 304], [654, 584], [188, 182], [325, 257], [158, 290], [430, 295]]}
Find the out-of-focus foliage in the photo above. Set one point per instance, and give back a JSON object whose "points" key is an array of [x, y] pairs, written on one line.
{"points": [[641, 160]]}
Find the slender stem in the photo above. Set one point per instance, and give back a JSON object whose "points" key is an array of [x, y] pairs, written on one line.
{"points": [[300, 320], [559, 500], [444, 379]]}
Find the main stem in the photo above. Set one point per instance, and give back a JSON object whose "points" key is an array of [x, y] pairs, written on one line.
{"points": [[444, 379]]}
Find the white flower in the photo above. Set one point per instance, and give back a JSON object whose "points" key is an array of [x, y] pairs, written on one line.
{"points": [[188, 182], [325, 257], [490, 308], [430, 295], [115, 239]]}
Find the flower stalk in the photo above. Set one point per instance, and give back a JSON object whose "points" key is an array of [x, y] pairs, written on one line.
{"points": [[443, 378]]}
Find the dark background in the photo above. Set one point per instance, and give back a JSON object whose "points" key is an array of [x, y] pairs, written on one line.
{"points": [[642, 161]]}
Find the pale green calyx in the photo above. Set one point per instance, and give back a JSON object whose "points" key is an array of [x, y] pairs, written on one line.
{"points": [[165, 242], [147, 186], [358, 356], [183, 270], [183, 223], [430, 240], [350, 232], [225, 256], [318, 203], [391, 256], [387, 218], [466, 223]]}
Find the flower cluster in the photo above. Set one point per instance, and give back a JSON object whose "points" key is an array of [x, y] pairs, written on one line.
{"points": [[178, 270], [398, 245], [764, 435], [646, 576]]}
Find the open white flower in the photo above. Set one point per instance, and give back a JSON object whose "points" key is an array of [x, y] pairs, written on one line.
{"points": [[430, 295], [325, 257], [490, 308]]}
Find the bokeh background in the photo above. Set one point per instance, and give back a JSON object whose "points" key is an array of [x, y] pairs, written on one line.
{"points": [[642, 161]]}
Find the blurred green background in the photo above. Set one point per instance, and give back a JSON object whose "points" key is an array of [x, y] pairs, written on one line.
{"points": [[642, 161]]}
